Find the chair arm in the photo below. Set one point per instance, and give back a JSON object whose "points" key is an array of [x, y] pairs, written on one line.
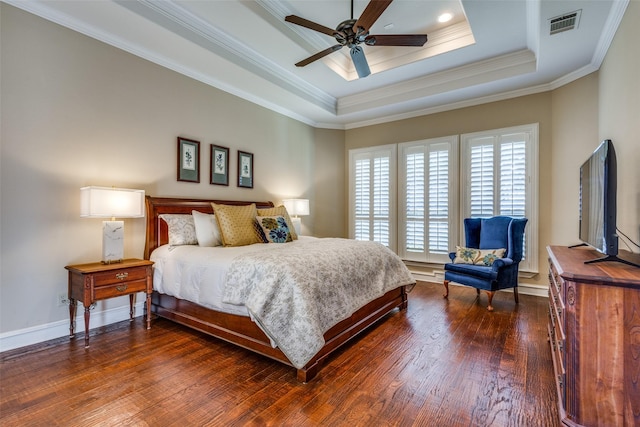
{"points": [[501, 263], [452, 255]]}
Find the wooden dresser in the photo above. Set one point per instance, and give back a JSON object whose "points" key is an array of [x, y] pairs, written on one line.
{"points": [[594, 332]]}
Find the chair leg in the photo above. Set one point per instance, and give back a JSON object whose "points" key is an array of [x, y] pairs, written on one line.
{"points": [[515, 294], [490, 295], [446, 288]]}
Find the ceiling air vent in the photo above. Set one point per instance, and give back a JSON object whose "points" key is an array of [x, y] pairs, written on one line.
{"points": [[566, 22]]}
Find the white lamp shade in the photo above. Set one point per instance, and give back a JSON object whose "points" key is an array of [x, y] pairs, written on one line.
{"points": [[111, 202], [297, 206]]}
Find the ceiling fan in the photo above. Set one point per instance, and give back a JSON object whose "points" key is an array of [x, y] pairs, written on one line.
{"points": [[353, 32]]}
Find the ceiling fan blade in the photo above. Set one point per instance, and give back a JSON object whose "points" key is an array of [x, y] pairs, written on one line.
{"points": [[360, 61], [371, 14], [319, 55], [312, 25], [396, 40]]}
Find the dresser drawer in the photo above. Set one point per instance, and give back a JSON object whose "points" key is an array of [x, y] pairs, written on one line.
{"points": [[556, 284], [556, 307], [124, 288], [119, 276]]}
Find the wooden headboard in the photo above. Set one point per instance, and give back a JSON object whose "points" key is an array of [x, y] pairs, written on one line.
{"points": [[157, 231]]}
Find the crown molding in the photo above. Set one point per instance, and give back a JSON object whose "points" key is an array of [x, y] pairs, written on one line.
{"points": [[214, 40], [451, 106], [218, 42], [503, 66], [609, 31]]}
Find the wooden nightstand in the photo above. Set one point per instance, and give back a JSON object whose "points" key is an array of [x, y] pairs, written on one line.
{"points": [[95, 281]]}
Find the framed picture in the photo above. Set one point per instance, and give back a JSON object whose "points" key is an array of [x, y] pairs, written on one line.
{"points": [[245, 169], [188, 160], [219, 165]]}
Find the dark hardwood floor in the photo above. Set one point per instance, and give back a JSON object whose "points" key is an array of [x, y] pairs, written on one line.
{"points": [[439, 363]]}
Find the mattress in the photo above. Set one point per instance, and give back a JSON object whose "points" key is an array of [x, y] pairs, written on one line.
{"points": [[195, 273]]}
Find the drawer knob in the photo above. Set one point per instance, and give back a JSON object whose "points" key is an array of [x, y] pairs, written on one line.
{"points": [[122, 276], [121, 288]]}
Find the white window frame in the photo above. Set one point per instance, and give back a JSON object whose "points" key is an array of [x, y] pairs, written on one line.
{"points": [[390, 151], [530, 263], [450, 144], [460, 206]]}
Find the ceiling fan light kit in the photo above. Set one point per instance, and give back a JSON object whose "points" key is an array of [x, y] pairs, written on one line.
{"points": [[354, 32]]}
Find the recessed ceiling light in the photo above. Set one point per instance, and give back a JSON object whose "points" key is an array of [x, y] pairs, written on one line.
{"points": [[388, 27], [445, 17]]}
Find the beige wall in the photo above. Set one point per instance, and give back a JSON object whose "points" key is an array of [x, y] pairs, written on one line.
{"points": [[78, 112], [495, 115], [619, 117], [575, 136], [603, 105], [329, 184]]}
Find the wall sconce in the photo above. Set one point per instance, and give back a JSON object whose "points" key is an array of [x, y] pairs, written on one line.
{"points": [[297, 207], [111, 202]]}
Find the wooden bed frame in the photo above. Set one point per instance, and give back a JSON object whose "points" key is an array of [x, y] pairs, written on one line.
{"points": [[241, 330]]}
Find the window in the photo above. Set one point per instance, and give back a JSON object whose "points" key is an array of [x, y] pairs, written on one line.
{"points": [[440, 182], [372, 195], [496, 175], [427, 173]]}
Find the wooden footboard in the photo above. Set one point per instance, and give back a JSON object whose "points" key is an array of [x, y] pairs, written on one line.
{"points": [[241, 330]]}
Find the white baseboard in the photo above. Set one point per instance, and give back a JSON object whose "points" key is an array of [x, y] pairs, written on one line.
{"points": [[41, 333], [523, 288], [49, 331]]}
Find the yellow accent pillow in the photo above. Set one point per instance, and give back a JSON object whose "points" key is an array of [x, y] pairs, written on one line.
{"points": [[238, 226], [280, 211], [484, 257]]}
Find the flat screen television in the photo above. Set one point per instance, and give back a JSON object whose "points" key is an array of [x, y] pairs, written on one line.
{"points": [[598, 188]]}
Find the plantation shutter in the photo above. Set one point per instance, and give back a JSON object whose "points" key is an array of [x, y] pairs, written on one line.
{"points": [[481, 184], [362, 198], [372, 202], [427, 199], [513, 176], [498, 176], [496, 169]]}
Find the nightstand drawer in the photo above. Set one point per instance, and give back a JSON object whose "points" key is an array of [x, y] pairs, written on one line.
{"points": [[124, 288], [113, 277]]}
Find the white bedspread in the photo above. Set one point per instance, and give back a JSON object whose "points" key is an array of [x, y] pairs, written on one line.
{"points": [[298, 292], [294, 291], [196, 274]]}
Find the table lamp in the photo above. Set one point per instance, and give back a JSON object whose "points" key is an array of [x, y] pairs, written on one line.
{"points": [[297, 207], [111, 202]]}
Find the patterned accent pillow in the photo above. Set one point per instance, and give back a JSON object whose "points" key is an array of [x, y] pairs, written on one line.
{"points": [[484, 257], [237, 224], [182, 229], [207, 230], [280, 211], [275, 229]]}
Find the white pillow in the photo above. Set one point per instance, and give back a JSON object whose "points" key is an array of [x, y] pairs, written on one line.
{"points": [[207, 230]]}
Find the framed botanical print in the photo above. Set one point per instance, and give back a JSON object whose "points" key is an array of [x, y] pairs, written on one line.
{"points": [[245, 169], [188, 160], [219, 165]]}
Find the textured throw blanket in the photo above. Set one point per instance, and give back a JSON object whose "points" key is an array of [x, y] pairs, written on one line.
{"points": [[298, 292]]}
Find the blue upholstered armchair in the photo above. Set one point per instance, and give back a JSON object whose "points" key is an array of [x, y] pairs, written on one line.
{"points": [[499, 232]]}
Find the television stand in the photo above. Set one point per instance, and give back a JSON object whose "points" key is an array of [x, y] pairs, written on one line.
{"points": [[593, 329], [612, 258]]}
